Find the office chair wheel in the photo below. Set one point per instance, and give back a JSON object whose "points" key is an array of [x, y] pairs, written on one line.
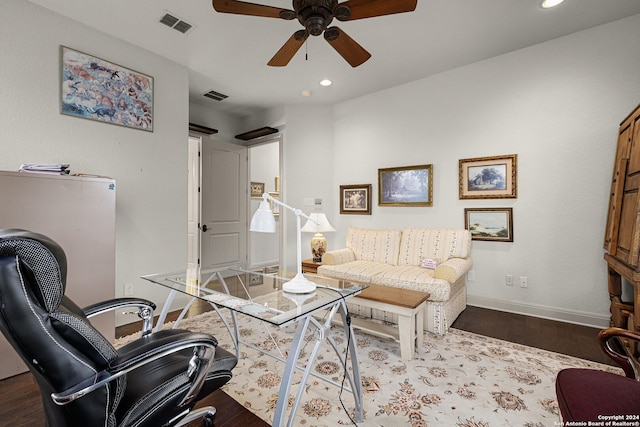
{"points": [[208, 420]]}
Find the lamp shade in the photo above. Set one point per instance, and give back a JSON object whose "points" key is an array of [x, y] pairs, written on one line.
{"points": [[263, 220], [318, 223]]}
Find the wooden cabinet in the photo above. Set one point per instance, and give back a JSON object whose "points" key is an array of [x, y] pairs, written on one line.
{"points": [[622, 235], [78, 213]]}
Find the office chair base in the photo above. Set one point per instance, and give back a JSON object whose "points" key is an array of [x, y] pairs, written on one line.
{"points": [[207, 413]]}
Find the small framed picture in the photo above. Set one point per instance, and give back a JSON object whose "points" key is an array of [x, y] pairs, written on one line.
{"points": [[275, 208], [493, 224], [355, 199], [257, 189], [406, 186], [489, 177]]}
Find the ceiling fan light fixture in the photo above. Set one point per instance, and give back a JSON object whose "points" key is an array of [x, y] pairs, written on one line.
{"points": [[548, 4], [325, 82]]}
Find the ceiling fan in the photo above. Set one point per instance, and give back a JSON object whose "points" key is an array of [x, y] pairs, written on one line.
{"points": [[316, 16]]}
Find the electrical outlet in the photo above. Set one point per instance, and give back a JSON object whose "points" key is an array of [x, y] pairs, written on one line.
{"points": [[524, 282], [128, 289], [471, 276], [508, 279]]}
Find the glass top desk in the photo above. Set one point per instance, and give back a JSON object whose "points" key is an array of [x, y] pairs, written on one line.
{"points": [[260, 296]]}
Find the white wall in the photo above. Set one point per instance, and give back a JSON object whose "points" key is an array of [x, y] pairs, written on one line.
{"points": [[308, 172], [557, 106], [149, 168]]}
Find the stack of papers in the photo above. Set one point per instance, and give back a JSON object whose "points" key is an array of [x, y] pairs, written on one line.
{"points": [[52, 168]]}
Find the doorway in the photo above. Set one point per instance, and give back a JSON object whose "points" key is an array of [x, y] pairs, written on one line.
{"points": [[220, 206], [264, 169]]}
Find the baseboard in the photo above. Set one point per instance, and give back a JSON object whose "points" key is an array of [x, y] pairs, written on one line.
{"points": [[552, 313]]}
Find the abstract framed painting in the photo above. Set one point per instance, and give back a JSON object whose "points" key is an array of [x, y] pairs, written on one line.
{"points": [[95, 89]]}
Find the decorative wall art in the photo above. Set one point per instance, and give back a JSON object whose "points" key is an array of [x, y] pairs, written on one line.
{"points": [[494, 224], [489, 177], [95, 89], [275, 208], [257, 189], [355, 199], [406, 186]]}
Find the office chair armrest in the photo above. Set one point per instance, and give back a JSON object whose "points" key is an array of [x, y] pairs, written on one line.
{"points": [[145, 309], [146, 350], [155, 343], [621, 352]]}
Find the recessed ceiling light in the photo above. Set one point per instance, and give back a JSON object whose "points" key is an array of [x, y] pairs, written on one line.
{"points": [[305, 92], [326, 82], [550, 3]]}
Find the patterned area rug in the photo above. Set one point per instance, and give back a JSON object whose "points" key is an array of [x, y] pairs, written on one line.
{"points": [[460, 379]]}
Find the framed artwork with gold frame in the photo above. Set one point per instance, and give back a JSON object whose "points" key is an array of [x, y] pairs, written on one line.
{"points": [[489, 177], [406, 186], [257, 189]]}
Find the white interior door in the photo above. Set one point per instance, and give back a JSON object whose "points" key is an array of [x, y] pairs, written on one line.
{"points": [[223, 221]]}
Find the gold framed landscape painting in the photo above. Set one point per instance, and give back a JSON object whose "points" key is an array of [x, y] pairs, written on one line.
{"points": [[489, 177], [406, 186], [493, 224]]}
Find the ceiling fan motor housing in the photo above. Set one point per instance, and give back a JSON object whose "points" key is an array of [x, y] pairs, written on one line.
{"points": [[316, 15]]}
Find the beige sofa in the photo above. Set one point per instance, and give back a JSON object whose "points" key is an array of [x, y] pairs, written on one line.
{"points": [[394, 257]]}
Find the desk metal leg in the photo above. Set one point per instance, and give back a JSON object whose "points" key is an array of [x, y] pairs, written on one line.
{"points": [[289, 370], [235, 335], [354, 377], [165, 309], [291, 364]]}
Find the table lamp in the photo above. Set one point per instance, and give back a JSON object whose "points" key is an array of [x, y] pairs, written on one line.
{"points": [[263, 221], [318, 224]]}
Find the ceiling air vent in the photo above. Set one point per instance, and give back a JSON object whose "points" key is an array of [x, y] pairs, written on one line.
{"points": [[176, 23], [215, 95]]}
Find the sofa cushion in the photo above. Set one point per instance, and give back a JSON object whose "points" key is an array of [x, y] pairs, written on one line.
{"points": [[361, 271], [443, 244], [374, 245], [415, 278]]}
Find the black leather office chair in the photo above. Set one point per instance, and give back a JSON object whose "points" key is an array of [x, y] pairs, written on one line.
{"points": [[84, 381]]}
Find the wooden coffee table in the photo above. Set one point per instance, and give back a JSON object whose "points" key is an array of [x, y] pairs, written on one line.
{"points": [[407, 304]]}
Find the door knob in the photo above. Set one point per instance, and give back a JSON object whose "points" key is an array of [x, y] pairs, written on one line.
{"points": [[205, 228]]}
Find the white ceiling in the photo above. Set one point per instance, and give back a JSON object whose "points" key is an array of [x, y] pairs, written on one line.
{"points": [[228, 53]]}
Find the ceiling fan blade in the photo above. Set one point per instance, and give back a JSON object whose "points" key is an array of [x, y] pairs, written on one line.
{"points": [[350, 50], [252, 9], [286, 52], [369, 8]]}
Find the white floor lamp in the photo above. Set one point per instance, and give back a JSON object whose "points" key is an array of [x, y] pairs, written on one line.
{"points": [[263, 221]]}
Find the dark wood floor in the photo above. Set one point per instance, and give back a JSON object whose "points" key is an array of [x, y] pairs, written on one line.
{"points": [[20, 404]]}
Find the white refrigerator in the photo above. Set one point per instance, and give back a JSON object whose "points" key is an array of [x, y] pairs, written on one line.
{"points": [[79, 214]]}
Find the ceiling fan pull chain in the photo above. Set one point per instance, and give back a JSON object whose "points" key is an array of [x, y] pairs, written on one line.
{"points": [[306, 50]]}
